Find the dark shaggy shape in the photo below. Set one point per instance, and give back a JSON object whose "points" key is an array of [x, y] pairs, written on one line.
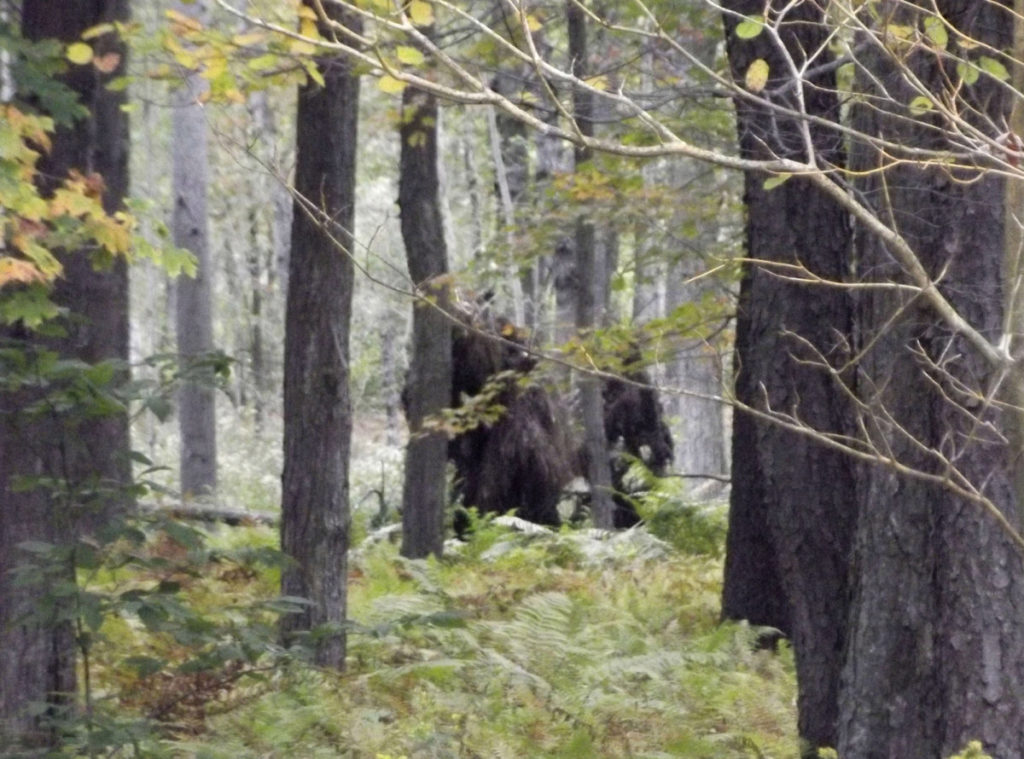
{"points": [[522, 460], [634, 425]]}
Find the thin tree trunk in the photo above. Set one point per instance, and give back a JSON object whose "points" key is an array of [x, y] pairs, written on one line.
{"points": [[90, 460], [512, 171], [429, 384], [196, 412], [700, 447], [591, 294], [317, 403], [793, 504]]}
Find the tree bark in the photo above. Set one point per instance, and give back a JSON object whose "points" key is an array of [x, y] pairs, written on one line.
{"points": [[936, 651], [591, 292], [317, 404], [792, 505], [194, 302], [429, 384], [90, 460]]}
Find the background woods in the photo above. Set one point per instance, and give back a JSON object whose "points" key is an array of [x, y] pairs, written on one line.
{"points": [[737, 285]]}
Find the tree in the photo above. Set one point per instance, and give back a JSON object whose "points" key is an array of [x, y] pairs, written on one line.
{"points": [[85, 468], [196, 412], [591, 290], [428, 387], [793, 503], [317, 404], [935, 628]]}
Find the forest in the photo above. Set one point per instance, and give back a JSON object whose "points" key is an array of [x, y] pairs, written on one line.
{"points": [[512, 378]]}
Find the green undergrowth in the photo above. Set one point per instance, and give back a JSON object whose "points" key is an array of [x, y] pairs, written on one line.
{"points": [[558, 645]]}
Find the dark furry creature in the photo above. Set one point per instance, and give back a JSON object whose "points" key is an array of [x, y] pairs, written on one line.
{"points": [[516, 452], [517, 456], [634, 425]]}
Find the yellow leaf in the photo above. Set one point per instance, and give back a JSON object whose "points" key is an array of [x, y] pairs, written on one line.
{"points": [[409, 55], [79, 53], [598, 82], [16, 270], [248, 39], [301, 47], [187, 22], [421, 13], [390, 85], [757, 75], [96, 31], [533, 23], [309, 29]]}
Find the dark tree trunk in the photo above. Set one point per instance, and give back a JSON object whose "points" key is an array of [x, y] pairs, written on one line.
{"points": [[936, 650], [194, 298], [90, 460], [793, 505], [591, 292], [429, 384], [317, 404]]}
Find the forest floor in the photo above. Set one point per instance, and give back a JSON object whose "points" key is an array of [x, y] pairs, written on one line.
{"points": [[533, 646], [568, 644]]}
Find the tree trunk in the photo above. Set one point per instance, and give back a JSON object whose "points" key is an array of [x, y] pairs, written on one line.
{"points": [[557, 266], [936, 650], [91, 461], [700, 444], [429, 384], [196, 413], [512, 172], [317, 404], [793, 505], [591, 292]]}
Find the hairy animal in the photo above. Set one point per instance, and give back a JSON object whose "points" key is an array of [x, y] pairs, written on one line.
{"points": [[635, 428], [518, 453], [519, 460]]}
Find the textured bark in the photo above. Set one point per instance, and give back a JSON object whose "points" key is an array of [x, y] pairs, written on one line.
{"points": [[194, 301], [793, 506], [91, 459], [936, 651], [317, 403], [428, 387], [590, 293]]}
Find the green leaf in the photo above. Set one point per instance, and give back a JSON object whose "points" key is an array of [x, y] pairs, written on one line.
{"points": [[994, 68], [32, 306], [920, 105], [749, 28], [314, 72], [772, 182], [757, 75], [421, 13], [935, 30], [79, 53], [390, 85], [968, 72], [409, 55]]}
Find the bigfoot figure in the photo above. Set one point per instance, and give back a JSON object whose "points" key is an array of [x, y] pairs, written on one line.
{"points": [[522, 460]]}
